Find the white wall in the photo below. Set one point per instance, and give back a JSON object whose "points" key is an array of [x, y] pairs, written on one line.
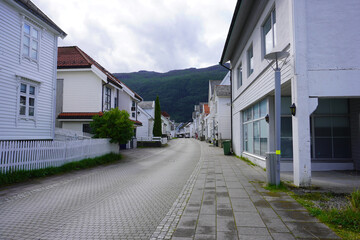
{"points": [[223, 117], [75, 126], [333, 51], [43, 73], [82, 91], [144, 130]]}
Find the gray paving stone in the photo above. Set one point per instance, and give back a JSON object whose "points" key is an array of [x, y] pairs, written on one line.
{"points": [[248, 219], [253, 231], [283, 236], [225, 224], [204, 237], [207, 220], [296, 216], [227, 235], [311, 230]]}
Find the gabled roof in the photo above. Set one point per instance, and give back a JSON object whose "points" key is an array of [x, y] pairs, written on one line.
{"points": [[165, 114], [73, 57], [222, 90], [147, 104], [86, 115], [32, 8], [206, 109]]}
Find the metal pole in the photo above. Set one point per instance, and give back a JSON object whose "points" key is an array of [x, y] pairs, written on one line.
{"points": [[277, 123]]}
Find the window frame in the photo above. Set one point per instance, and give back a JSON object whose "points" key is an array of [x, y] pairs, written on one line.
{"points": [[250, 60], [272, 17], [239, 76], [27, 95], [107, 100], [32, 39]]}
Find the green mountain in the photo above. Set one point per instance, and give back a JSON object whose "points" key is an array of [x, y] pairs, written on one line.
{"points": [[178, 90]]}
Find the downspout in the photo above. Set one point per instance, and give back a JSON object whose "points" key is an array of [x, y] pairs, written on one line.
{"points": [[231, 107]]}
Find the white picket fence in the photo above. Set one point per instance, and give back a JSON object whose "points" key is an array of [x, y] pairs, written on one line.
{"points": [[152, 139], [29, 155]]}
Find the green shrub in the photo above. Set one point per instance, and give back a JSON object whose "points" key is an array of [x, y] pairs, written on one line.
{"points": [[355, 200]]}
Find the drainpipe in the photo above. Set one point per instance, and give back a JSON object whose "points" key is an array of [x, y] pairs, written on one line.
{"points": [[231, 105]]}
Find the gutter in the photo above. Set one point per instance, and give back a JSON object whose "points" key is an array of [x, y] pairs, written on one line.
{"points": [[231, 106]]}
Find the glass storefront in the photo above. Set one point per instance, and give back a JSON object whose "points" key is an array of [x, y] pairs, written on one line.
{"points": [[256, 130]]}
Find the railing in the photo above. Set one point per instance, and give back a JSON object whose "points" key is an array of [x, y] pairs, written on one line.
{"points": [[29, 155]]}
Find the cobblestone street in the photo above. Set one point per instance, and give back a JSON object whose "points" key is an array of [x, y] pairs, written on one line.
{"points": [[127, 200]]}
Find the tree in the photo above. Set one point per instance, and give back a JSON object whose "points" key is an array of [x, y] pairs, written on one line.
{"points": [[114, 124], [157, 121]]}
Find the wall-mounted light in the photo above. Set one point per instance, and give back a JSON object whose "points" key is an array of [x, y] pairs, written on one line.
{"points": [[267, 118], [293, 109]]}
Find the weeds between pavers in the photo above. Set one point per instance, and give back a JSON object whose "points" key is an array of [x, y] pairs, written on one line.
{"points": [[25, 175], [340, 212], [250, 163]]}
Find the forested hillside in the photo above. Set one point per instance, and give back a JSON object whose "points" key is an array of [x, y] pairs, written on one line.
{"points": [[178, 90]]}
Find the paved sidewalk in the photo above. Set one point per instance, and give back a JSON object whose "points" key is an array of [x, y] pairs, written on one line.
{"points": [[228, 201]]}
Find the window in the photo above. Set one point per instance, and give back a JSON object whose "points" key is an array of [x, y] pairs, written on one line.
{"points": [[331, 129], [107, 98], [239, 77], [30, 48], [250, 58], [86, 128], [269, 32], [116, 101], [256, 130], [27, 100], [133, 114]]}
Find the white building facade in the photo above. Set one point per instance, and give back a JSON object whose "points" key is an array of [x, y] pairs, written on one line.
{"points": [[320, 77], [28, 53]]}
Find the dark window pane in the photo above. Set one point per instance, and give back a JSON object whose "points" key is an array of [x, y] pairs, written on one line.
{"points": [[286, 127], [286, 148], [22, 100], [32, 90], [342, 147], [323, 148], [87, 128], [341, 126], [339, 106], [23, 88], [22, 110], [31, 111], [285, 105], [322, 126]]}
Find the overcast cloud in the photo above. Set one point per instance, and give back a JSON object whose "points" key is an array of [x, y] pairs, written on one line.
{"points": [[153, 35]]}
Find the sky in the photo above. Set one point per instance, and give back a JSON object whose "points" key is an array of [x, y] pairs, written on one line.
{"points": [[153, 35]]}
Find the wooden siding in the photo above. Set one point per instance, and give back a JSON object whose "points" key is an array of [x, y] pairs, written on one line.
{"points": [[11, 64]]}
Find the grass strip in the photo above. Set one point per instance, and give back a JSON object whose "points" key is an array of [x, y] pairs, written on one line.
{"points": [[344, 222], [25, 175]]}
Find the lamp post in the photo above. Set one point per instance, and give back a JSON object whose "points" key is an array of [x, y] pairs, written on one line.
{"points": [[273, 161]]}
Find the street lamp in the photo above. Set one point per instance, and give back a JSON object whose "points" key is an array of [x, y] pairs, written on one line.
{"points": [[273, 161]]}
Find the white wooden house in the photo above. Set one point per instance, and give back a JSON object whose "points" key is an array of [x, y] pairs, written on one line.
{"points": [[320, 78], [221, 107], [85, 89], [28, 53], [146, 130]]}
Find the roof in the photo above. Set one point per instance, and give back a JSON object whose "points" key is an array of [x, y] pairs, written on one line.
{"points": [[146, 104], [165, 114], [73, 57], [245, 10], [207, 109], [32, 8], [87, 115], [78, 115], [223, 90], [212, 84]]}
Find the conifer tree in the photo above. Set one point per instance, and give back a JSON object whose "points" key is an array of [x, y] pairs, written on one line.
{"points": [[157, 121]]}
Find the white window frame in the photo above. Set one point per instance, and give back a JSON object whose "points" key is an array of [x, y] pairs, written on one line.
{"points": [[28, 83], [239, 76], [272, 18], [250, 60], [107, 99], [31, 40]]}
